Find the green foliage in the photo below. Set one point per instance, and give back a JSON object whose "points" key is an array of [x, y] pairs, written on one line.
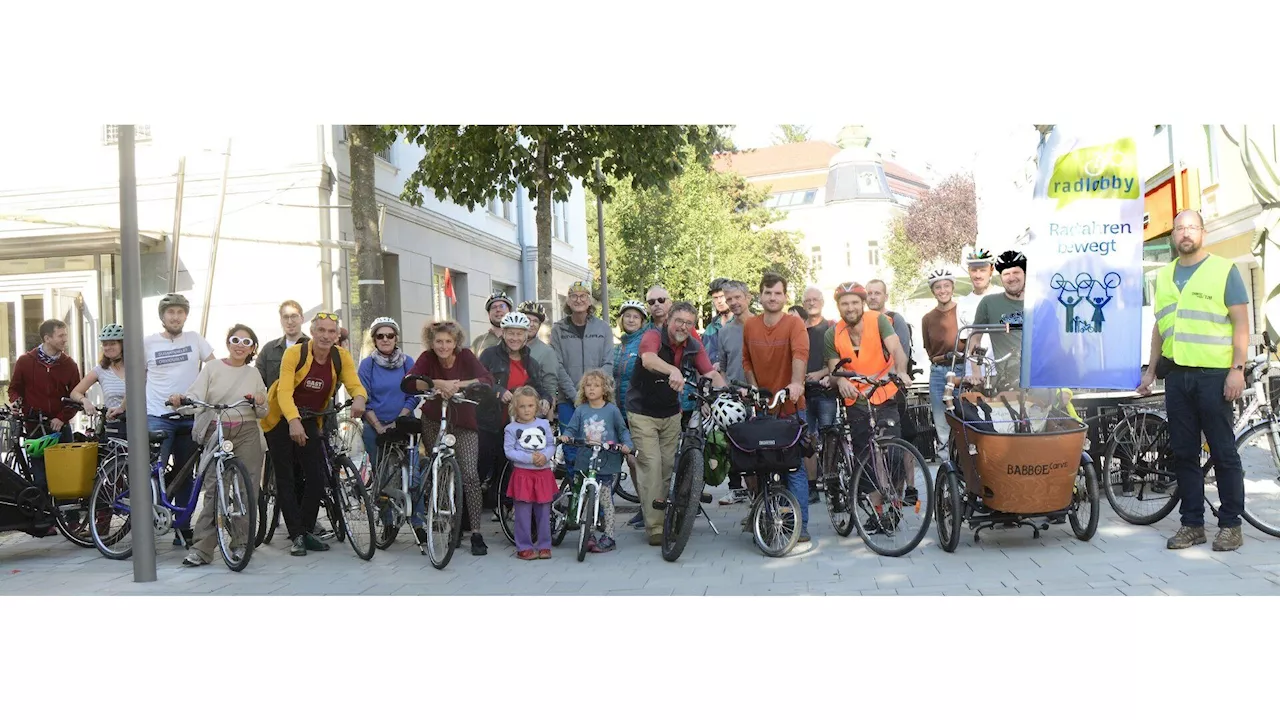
{"points": [[786, 134], [904, 260], [707, 225]]}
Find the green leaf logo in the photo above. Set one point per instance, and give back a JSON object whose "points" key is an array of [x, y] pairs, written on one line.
{"points": [[1096, 173]]}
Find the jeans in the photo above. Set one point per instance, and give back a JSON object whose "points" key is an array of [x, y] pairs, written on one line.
{"points": [[819, 411], [937, 386], [1193, 400], [798, 484], [564, 413], [370, 437], [178, 444]]}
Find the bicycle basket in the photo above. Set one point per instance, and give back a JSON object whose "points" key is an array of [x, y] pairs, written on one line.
{"points": [[765, 444], [716, 454]]}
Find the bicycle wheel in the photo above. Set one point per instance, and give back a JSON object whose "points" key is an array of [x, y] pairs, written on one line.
{"points": [[268, 512], [775, 521], [682, 508], [354, 512], [235, 514], [1086, 506], [834, 472], [624, 486], [443, 521], [893, 498], [586, 519], [506, 506], [948, 509], [1260, 458], [559, 514], [1139, 484], [109, 506], [388, 516], [74, 524]]}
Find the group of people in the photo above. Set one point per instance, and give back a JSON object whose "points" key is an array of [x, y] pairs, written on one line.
{"points": [[630, 393]]}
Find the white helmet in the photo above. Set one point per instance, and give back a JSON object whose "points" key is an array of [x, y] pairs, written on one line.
{"points": [[728, 410], [515, 320], [940, 274], [634, 305], [373, 328]]}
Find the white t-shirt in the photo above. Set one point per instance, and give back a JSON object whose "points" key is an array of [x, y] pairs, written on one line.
{"points": [[966, 310], [172, 365]]}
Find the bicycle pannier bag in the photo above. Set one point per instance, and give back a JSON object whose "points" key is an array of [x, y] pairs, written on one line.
{"points": [[765, 444]]}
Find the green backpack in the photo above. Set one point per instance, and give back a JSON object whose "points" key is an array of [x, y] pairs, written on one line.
{"points": [[716, 454]]}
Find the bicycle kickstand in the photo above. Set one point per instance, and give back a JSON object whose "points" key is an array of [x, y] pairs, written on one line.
{"points": [[703, 511]]}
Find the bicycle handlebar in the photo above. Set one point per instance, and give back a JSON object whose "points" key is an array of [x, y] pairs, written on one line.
{"points": [[609, 446], [306, 413], [192, 402]]}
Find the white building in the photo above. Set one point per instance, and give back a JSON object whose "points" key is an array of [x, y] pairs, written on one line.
{"points": [[285, 233]]}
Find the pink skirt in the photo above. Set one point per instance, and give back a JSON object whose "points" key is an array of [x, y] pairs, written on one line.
{"points": [[532, 486]]}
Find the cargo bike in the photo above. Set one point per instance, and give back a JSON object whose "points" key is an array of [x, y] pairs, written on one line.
{"points": [[1023, 471]]}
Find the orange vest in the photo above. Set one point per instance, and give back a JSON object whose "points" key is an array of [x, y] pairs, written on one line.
{"points": [[870, 359]]}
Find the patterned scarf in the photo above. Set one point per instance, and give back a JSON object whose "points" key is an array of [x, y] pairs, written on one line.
{"points": [[394, 361], [45, 357]]}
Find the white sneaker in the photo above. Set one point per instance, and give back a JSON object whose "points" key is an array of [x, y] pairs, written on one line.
{"points": [[734, 497]]}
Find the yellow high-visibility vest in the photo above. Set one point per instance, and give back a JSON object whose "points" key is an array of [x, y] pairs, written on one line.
{"points": [[1194, 325]]}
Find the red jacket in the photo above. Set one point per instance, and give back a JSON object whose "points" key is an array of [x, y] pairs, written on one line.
{"points": [[42, 387]]}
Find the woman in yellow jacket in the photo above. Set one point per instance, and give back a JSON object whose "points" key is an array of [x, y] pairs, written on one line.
{"points": [[307, 383]]}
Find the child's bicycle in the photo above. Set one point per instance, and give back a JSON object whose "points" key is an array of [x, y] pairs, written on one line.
{"points": [[584, 507]]}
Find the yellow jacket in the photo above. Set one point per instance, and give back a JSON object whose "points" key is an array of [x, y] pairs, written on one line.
{"points": [[280, 404]]}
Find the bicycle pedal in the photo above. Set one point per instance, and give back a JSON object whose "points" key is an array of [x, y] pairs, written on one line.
{"points": [[659, 504], [706, 497]]}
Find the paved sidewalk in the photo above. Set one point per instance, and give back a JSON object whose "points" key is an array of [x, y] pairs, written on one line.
{"points": [[1122, 559]]}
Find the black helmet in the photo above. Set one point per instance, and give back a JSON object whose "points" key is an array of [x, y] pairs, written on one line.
{"points": [[174, 300], [498, 297], [1011, 259]]}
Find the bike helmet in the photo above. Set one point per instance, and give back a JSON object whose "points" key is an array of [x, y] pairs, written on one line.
{"points": [[533, 308], [579, 286], [174, 300], [114, 331], [382, 321], [36, 446], [634, 305], [850, 288], [727, 410], [1011, 259], [940, 274], [515, 320], [498, 297], [979, 256]]}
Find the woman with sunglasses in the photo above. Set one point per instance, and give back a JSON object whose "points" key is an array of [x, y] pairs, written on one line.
{"points": [[226, 382], [381, 374], [452, 368]]}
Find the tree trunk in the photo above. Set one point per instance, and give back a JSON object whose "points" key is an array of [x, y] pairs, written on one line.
{"points": [[364, 216], [542, 214]]}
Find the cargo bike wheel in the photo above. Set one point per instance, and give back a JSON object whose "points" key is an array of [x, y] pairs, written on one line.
{"points": [[1086, 505], [948, 508]]}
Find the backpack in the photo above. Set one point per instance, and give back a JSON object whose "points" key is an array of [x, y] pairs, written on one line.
{"points": [[302, 358]]}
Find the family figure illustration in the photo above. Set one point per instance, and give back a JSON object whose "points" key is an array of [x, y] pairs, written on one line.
{"points": [[1085, 288]]}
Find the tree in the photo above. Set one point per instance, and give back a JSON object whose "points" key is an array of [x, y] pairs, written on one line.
{"points": [[791, 134], [902, 258], [471, 164], [944, 220], [707, 225], [1264, 181], [363, 142]]}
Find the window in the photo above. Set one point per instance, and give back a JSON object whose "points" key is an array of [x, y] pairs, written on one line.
{"points": [[791, 199], [848, 254], [816, 253], [493, 206], [506, 211], [385, 153], [873, 252], [111, 134], [445, 309], [1159, 153], [903, 199], [1211, 150], [558, 221]]}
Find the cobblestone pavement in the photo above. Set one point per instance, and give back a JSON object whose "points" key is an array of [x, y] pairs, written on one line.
{"points": [[1121, 559]]}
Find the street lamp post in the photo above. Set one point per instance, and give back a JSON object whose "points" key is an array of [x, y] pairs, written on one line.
{"points": [[144, 537]]}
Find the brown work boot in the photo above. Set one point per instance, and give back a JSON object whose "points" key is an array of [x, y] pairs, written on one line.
{"points": [[1186, 537], [1228, 539]]}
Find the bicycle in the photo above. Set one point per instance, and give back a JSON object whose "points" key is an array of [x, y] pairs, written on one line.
{"points": [[899, 498], [43, 511], [560, 521], [774, 516], [345, 499], [685, 488], [1142, 486], [442, 511], [585, 503]]}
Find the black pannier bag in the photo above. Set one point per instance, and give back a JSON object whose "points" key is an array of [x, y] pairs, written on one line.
{"points": [[765, 444], [18, 505]]}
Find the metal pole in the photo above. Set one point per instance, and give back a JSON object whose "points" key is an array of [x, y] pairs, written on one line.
{"points": [[213, 244], [604, 276], [177, 226], [144, 534]]}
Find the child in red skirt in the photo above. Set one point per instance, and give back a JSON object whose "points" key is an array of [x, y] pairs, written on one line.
{"points": [[530, 447]]}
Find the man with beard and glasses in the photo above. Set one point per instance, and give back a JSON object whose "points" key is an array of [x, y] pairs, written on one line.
{"points": [[820, 405], [498, 305], [1004, 309], [738, 297], [720, 317], [981, 266]]}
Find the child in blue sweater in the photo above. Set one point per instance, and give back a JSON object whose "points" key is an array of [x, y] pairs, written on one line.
{"points": [[530, 447], [597, 421]]}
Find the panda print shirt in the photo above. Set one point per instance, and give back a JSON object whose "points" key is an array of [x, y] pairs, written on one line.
{"points": [[522, 440]]}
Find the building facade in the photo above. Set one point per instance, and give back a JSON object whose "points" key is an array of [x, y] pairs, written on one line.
{"points": [[284, 232]]}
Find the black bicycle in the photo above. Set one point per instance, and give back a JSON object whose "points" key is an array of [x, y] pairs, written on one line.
{"points": [[685, 488], [346, 500]]}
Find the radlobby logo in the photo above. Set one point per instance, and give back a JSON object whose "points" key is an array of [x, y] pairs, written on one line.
{"points": [[1094, 173]]}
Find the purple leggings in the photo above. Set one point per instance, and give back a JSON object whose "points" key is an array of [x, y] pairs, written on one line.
{"points": [[535, 512]]}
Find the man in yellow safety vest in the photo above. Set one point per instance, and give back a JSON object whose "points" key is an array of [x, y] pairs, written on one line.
{"points": [[1199, 346]]}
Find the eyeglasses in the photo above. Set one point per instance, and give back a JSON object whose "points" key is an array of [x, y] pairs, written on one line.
{"points": [[1187, 228], [291, 317], [244, 342], [385, 336], [326, 316], [681, 323], [656, 301]]}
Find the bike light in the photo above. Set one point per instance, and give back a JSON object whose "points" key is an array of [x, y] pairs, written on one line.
{"points": [[227, 447], [450, 440]]}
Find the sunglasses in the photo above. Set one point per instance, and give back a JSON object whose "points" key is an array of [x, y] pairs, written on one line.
{"points": [[243, 342], [385, 336], [326, 316], [443, 325], [656, 301]]}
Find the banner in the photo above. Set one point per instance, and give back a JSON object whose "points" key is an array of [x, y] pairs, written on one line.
{"points": [[1083, 303]]}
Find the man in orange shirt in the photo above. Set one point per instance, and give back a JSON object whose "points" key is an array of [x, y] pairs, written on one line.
{"points": [[775, 355]]}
